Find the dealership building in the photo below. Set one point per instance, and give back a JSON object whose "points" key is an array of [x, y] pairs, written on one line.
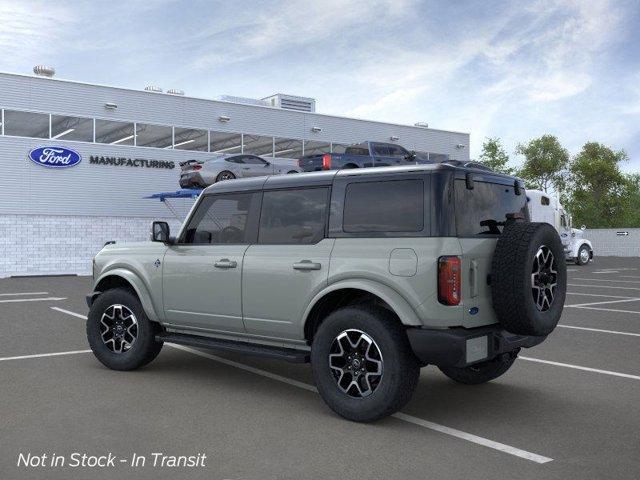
{"points": [[117, 146]]}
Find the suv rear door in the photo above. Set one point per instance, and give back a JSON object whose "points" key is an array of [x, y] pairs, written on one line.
{"points": [[289, 264], [478, 212]]}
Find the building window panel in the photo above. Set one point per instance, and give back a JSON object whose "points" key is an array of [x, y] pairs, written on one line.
{"points": [[190, 139], [72, 128], [225, 142], [287, 148], [258, 145], [26, 124], [158, 136], [312, 147], [114, 133]]}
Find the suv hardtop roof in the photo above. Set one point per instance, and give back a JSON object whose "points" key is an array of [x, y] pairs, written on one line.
{"points": [[325, 178]]}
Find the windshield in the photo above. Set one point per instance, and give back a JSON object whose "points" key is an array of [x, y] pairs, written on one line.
{"points": [[483, 210]]}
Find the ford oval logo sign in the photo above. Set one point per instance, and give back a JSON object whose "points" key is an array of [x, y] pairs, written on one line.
{"points": [[55, 157]]}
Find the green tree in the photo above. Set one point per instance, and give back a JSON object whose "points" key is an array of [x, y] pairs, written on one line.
{"points": [[632, 214], [545, 164], [600, 193], [495, 156]]}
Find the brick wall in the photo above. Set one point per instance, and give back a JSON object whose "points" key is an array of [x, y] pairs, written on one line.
{"points": [[50, 245], [607, 243]]}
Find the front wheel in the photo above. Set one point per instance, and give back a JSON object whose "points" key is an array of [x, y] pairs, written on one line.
{"points": [[583, 255], [119, 332], [362, 363], [481, 372]]}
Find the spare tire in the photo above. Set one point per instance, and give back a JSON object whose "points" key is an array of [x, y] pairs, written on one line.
{"points": [[528, 278]]}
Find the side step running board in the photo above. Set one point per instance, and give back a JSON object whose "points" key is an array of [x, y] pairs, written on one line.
{"points": [[280, 353]]}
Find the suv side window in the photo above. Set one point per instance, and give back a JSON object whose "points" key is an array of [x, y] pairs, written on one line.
{"points": [[293, 216], [223, 219], [387, 206]]}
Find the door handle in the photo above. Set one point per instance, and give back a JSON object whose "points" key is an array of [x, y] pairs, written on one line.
{"points": [[473, 279], [225, 263], [246, 168], [306, 265]]}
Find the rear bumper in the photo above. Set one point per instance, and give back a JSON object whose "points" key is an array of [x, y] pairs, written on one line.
{"points": [[460, 347], [191, 179]]}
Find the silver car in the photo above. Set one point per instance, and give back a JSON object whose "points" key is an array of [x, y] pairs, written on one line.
{"points": [[202, 173]]}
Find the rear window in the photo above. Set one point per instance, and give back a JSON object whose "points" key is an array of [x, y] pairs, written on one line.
{"points": [[483, 210], [390, 206]]}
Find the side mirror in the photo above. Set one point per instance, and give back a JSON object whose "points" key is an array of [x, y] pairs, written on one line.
{"points": [[160, 232], [410, 156], [583, 227], [267, 164]]}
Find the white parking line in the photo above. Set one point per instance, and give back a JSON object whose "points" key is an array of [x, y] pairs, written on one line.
{"points": [[23, 293], [606, 280], [47, 299], [611, 310], [578, 367], [596, 295], [400, 416], [629, 276], [632, 299], [74, 314], [40, 355], [602, 272], [600, 330], [603, 286]]}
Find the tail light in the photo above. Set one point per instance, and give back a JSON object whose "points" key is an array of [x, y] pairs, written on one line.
{"points": [[449, 272], [300, 162], [326, 161], [197, 166]]}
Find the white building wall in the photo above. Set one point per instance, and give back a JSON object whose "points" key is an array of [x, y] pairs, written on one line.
{"points": [[54, 245], [608, 243]]}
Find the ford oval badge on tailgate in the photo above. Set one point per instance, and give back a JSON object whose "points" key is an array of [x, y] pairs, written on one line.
{"points": [[55, 157]]}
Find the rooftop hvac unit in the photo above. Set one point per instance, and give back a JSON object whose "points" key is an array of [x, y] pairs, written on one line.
{"points": [[44, 71], [292, 102], [153, 88], [175, 91], [244, 100]]}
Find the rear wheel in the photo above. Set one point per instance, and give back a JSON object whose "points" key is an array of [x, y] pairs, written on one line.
{"points": [[583, 255], [119, 332], [363, 364], [225, 175], [481, 372]]}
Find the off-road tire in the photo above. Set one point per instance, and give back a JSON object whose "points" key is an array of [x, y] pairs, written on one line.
{"points": [[400, 368], [480, 372], [142, 351], [579, 257], [511, 278]]}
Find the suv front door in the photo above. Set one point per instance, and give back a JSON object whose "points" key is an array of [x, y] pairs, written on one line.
{"points": [[202, 272], [290, 263]]}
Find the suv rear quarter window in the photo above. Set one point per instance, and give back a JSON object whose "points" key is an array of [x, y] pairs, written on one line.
{"points": [[396, 205]]}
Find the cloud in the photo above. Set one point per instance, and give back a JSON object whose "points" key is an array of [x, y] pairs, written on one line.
{"points": [[29, 27]]}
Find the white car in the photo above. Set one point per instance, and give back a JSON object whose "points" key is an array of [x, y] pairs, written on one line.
{"points": [[202, 173]]}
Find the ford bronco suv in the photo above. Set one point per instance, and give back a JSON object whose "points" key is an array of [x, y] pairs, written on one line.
{"points": [[368, 274]]}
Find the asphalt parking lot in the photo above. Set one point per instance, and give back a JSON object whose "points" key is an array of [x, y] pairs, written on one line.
{"points": [[569, 408]]}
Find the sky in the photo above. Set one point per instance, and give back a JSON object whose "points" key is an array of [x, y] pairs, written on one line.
{"points": [[513, 70]]}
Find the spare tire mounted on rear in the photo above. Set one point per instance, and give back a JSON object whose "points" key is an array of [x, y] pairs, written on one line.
{"points": [[528, 278]]}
